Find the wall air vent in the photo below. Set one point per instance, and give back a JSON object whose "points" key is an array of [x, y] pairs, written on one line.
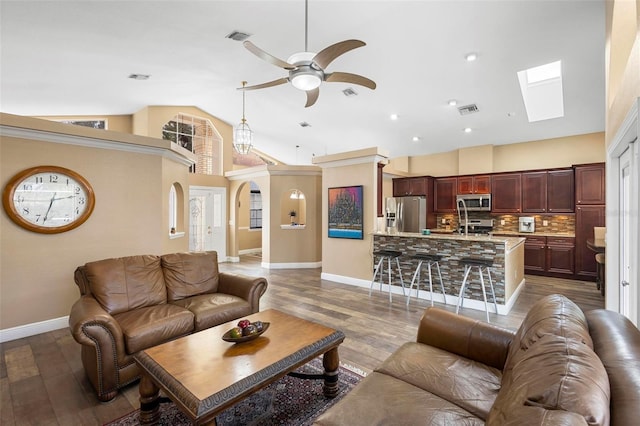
{"points": [[468, 109], [238, 36]]}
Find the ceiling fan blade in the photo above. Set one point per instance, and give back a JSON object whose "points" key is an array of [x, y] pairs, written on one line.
{"points": [[345, 77], [312, 96], [267, 56], [328, 54], [277, 82]]}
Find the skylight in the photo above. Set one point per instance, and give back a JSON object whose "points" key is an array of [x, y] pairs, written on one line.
{"points": [[541, 89]]}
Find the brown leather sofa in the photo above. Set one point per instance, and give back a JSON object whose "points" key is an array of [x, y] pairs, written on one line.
{"points": [[132, 303], [561, 367]]}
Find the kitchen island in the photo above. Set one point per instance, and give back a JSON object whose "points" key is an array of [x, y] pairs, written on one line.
{"points": [[507, 272]]}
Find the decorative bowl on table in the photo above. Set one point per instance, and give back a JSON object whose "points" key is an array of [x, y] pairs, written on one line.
{"points": [[228, 337]]}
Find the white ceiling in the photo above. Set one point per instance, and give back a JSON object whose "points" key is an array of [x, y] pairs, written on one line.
{"points": [[74, 57]]}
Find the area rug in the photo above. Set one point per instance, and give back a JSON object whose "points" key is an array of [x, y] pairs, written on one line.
{"points": [[288, 401]]}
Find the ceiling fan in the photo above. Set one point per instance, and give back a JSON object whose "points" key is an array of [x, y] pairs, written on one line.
{"points": [[307, 69]]}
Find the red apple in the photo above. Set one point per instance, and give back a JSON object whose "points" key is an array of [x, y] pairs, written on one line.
{"points": [[243, 323]]}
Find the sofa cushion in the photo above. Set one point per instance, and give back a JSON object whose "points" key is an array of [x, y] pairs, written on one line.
{"points": [[380, 399], [127, 283], [556, 373], [149, 326], [470, 385], [189, 274], [554, 314], [214, 309]]}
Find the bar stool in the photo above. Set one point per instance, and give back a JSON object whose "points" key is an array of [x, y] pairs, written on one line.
{"points": [[481, 264], [429, 260], [388, 255], [600, 271]]}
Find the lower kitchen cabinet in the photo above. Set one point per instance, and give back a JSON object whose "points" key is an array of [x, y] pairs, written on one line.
{"points": [[549, 256]]}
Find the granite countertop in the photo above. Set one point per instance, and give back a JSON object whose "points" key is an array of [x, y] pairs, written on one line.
{"points": [[510, 242], [537, 234]]}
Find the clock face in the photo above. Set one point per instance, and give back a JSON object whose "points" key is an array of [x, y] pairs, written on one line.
{"points": [[48, 199]]}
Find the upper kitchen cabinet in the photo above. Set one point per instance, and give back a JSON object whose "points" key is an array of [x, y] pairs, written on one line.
{"points": [[534, 192], [410, 186], [479, 184], [548, 191], [444, 194], [560, 191], [506, 193], [590, 184]]}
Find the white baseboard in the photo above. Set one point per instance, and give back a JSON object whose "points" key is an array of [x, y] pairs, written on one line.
{"points": [[27, 330], [233, 259], [250, 251], [299, 265]]}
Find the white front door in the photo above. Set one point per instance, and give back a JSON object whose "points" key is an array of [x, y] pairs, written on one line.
{"points": [[207, 220], [627, 291]]}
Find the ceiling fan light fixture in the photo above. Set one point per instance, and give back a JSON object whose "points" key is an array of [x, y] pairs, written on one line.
{"points": [[306, 81]]}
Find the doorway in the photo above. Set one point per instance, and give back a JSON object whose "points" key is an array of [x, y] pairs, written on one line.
{"points": [[207, 220]]}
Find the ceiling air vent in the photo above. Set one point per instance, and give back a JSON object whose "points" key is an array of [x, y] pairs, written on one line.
{"points": [[304, 124], [238, 36], [468, 109], [350, 92]]}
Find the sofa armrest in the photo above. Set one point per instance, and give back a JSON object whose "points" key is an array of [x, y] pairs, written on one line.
{"points": [[91, 325], [248, 288], [473, 339]]}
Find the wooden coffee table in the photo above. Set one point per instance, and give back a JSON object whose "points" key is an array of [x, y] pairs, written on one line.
{"points": [[203, 375]]}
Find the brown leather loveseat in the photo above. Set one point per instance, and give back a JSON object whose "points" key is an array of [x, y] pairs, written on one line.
{"points": [[561, 367], [132, 303]]}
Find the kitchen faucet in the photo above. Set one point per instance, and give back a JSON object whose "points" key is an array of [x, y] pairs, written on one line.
{"points": [[466, 216]]}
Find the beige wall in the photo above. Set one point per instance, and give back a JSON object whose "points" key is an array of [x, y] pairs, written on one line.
{"points": [[130, 217], [623, 61], [346, 257], [543, 154], [247, 239]]}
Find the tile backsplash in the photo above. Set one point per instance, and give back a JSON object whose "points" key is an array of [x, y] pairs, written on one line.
{"points": [[555, 224]]}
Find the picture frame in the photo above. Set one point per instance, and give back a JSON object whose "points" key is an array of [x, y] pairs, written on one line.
{"points": [[345, 212]]}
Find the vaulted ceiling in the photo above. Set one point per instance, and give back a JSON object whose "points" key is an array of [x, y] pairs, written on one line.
{"points": [[74, 57]]}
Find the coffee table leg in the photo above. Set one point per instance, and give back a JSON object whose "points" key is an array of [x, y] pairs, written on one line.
{"points": [[149, 402], [331, 363]]}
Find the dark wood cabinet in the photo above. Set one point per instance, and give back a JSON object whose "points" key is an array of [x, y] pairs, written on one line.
{"points": [[479, 184], [379, 184], [534, 192], [444, 194], [590, 184], [560, 191], [586, 218], [561, 256], [549, 256], [506, 192], [535, 255], [548, 191], [410, 186]]}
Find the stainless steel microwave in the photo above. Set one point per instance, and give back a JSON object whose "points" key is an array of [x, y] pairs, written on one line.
{"points": [[474, 202]]}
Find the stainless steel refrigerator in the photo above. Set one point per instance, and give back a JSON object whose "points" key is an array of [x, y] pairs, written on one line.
{"points": [[410, 213]]}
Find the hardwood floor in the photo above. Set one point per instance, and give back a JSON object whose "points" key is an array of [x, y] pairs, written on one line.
{"points": [[42, 380]]}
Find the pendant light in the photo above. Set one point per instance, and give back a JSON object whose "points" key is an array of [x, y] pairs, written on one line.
{"points": [[242, 135]]}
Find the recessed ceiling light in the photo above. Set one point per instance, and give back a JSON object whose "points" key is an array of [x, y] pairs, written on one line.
{"points": [[467, 129], [416, 138], [393, 116], [471, 56], [139, 76], [453, 102]]}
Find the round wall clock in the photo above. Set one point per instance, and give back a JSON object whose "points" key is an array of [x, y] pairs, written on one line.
{"points": [[48, 199]]}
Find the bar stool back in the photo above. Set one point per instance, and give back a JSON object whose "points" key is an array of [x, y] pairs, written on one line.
{"points": [[387, 255], [482, 265], [429, 260]]}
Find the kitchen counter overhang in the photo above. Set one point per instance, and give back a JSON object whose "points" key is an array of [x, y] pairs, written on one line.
{"points": [[507, 271]]}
